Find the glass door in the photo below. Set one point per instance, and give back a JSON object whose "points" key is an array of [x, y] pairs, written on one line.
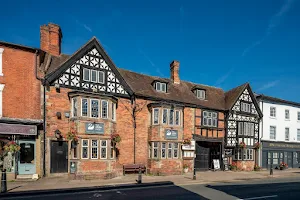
{"points": [[26, 162]]}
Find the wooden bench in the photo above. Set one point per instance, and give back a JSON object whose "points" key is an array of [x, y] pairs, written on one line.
{"points": [[133, 168]]}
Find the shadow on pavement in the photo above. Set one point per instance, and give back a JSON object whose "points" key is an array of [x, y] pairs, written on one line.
{"points": [[145, 191], [285, 190]]}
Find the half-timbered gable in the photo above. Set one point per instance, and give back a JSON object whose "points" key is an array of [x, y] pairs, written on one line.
{"points": [[90, 69]]}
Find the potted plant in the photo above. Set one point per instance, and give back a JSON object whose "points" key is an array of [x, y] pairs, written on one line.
{"points": [[233, 167], [115, 138], [257, 168], [187, 141], [242, 145], [185, 168], [12, 147], [283, 166], [257, 145]]}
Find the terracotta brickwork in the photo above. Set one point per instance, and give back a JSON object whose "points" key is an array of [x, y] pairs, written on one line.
{"points": [[21, 93], [51, 39], [247, 165]]}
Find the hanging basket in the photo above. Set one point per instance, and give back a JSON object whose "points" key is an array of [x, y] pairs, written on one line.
{"points": [[242, 145], [115, 138]]}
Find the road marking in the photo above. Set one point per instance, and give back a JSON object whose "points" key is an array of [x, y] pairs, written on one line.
{"points": [[262, 197]]}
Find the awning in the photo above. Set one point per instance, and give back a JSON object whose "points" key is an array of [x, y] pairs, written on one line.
{"points": [[18, 129]]}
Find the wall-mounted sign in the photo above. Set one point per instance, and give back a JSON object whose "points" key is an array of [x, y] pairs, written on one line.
{"points": [[189, 147], [18, 129], [228, 152], [280, 145], [94, 128], [171, 134]]}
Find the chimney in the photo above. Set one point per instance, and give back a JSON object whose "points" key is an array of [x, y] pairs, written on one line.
{"points": [[174, 67], [50, 39]]}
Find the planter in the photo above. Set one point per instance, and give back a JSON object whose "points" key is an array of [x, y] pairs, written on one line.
{"points": [[186, 170]]}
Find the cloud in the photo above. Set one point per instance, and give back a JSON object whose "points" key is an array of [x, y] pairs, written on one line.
{"points": [[273, 23], [146, 56], [224, 77], [268, 85], [181, 12], [86, 27]]}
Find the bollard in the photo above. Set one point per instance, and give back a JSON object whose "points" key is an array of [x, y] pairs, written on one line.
{"points": [[3, 182], [271, 170], [139, 181], [194, 174]]}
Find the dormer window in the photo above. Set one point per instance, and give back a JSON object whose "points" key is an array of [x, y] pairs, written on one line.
{"points": [[200, 94], [161, 87]]}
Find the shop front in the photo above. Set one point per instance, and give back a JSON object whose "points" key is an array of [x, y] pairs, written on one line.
{"points": [[274, 153], [26, 161]]}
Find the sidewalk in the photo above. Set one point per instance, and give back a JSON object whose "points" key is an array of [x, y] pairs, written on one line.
{"points": [[202, 178]]}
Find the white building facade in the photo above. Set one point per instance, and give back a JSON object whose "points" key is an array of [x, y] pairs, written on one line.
{"points": [[279, 132]]}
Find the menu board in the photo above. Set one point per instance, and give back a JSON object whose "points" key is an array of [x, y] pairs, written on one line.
{"points": [[216, 163]]}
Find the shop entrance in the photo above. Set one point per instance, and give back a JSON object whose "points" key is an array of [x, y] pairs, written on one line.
{"points": [[27, 161], [205, 153], [59, 157]]}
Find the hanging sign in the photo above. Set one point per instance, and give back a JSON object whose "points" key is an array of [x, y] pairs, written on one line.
{"points": [[189, 147]]}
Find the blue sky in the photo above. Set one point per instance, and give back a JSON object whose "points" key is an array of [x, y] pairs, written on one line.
{"points": [[219, 43]]}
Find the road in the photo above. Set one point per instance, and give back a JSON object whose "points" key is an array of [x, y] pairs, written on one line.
{"points": [[288, 188]]}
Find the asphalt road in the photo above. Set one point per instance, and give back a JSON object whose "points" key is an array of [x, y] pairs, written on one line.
{"points": [[288, 188]]}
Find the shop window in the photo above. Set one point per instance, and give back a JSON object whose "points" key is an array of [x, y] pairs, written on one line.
{"points": [[85, 149]]}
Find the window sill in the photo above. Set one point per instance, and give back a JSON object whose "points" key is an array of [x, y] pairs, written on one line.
{"points": [[287, 119], [272, 117]]}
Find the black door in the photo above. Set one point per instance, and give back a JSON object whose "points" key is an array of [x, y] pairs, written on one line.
{"points": [[59, 157], [290, 159], [202, 157]]}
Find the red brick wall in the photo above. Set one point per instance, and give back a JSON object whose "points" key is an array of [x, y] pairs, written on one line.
{"points": [[21, 94], [245, 165]]}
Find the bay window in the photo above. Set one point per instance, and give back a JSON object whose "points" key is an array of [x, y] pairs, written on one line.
{"points": [[96, 149], [84, 107], [94, 108], [104, 113], [85, 149], [167, 116], [155, 115], [164, 150], [103, 149]]}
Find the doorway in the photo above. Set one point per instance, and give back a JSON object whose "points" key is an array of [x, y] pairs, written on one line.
{"points": [[59, 157], [27, 161], [205, 153]]}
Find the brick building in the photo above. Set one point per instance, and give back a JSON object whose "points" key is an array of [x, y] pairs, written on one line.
{"points": [[90, 99], [20, 108]]}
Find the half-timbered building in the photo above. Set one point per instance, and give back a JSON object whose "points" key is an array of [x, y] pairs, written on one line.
{"points": [[243, 116]]}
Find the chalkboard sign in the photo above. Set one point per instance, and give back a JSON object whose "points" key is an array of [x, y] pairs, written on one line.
{"points": [[225, 162], [216, 163]]}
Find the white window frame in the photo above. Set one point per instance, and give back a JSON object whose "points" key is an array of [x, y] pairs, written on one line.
{"points": [[91, 108], [113, 111], [298, 134], [97, 147], [1, 101], [246, 107], [1, 62], [170, 148], [175, 144], [162, 116], [171, 115], [91, 72], [153, 113], [160, 89], [274, 111], [101, 147], [177, 112], [73, 106], [212, 118], [287, 111], [274, 133], [155, 147], [298, 116], [241, 154], [103, 75], [201, 94], [88, 142], [84, 71], [87, 114], [287, 133], [107, 106]]}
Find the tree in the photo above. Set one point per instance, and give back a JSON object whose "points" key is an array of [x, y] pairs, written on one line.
{"points": [[134, 109]]}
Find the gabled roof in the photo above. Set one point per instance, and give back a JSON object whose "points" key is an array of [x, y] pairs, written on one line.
{"points": [[232, 96], [182, 93]]}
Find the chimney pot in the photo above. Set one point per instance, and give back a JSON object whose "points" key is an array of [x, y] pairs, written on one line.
{"points": [[174, 68]]}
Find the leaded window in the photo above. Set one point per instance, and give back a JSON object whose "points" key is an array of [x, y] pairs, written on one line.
{"points": [[74, 107], [94, 108], [175, 150], [273, 132], [84, 107], [246, 107], [94, 149], [170, 150], [104, 109], [171, 117], [155, 116], [177, 117], [164, 116], [272, 112], [210, 119], [103, 149], [155, 149], [163, 150], [85, 149]]}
